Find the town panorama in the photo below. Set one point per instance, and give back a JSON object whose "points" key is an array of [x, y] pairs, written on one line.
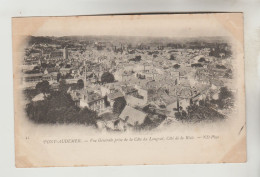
{"points": [[117, 83]]}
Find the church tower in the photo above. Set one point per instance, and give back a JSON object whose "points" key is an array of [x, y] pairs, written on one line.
{"points": [[65, 53], [85, 75]]}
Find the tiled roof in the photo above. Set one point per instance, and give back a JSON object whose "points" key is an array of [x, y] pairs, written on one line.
{"points": [[115, 95], [132, 116]]}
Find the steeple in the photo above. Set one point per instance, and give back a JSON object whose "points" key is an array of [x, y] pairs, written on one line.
{"points": [[65, 53], [85, 75]]}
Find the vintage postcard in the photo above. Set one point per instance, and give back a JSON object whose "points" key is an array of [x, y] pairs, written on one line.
{"points": [[129, 89]]}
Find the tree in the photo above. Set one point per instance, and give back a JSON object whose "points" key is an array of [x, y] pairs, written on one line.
{"points": [[60, 108], [196, 65], [63, 86], [229, 71], [176, 66], [58, 77], [201, 102], [184, 113], [136, 59], [68, 66], [220, 66], [178, 115], [87, 117], [201, 59], [107, 77], [44, 65], [172, 57], [36, 68], [227, 75], [119, 105], [43, 87], [80, 84], [224, 93]]}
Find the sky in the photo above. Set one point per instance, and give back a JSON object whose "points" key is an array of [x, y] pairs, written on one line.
{"points": [[177, 25]]}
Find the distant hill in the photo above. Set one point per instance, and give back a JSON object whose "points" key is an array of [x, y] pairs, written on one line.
{"points": [[129, 39]]}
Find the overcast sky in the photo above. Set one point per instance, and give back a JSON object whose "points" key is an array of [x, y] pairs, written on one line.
{"points": [[177, 25]]}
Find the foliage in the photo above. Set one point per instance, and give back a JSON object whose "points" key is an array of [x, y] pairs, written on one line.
{"points": [[162, 106], [182, 115], [35, 70], [225, 99], [119, 105], [59, 108], [220, 66], [225, 93], [136, 59], [43, 87], [58, 77], [80, 84], [107, 77], [63, 87], [202, 59], [68, 66], [178, 115], [176, 66], [218, 51], [47, 65], [202, 103], [227, 75], [30, 93], [172, 57], [196, 65], [66, 76], [201, 113]]}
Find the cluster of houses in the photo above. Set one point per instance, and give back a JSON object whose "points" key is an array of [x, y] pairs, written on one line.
{"points": [[150, 81]]}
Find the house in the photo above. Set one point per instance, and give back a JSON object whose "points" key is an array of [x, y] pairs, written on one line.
{"points": [[215, 83], [35, 77], [128, 90], [114, 125], [39, 97], [132, 116], [91, 100], [147, 91], [65, 71], [187, 96], [107, 89], [112, 96], [123, 75], [50, 77], [47, 77], [135, 101]]}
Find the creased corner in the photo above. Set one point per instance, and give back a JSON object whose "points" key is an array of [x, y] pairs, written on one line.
{"points": [[237, 154], [22, 162]]}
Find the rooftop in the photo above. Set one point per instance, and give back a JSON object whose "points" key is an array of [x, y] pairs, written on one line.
{"points": [[132, 116]]}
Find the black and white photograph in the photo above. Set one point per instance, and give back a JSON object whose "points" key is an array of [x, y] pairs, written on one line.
{"points": [[140, 79], [117, 83]]}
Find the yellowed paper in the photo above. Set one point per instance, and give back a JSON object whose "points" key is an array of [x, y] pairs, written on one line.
{"points": [[129, 90]]}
